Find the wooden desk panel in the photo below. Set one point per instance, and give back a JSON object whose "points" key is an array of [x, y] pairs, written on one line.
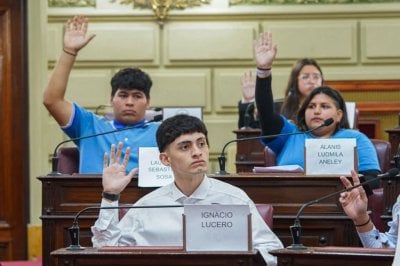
{"points": [[333, 256], [248, 153], [93, 257], [323, 223]]}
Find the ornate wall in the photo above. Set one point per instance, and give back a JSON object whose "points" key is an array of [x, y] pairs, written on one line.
{"points": [[197, 54]]}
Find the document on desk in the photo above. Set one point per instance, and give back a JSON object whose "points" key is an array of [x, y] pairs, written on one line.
{"points": [[279, 169]]}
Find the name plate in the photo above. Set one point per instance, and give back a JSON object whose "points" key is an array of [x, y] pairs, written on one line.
{"points": [[330, 156], [152, 172], [217, 227]]}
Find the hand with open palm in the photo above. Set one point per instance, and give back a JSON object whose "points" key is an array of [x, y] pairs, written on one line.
{"points": [[76, 36], [265, 51]]}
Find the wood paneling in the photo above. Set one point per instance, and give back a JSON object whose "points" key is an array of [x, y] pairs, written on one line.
{"points": [[14, 163]]}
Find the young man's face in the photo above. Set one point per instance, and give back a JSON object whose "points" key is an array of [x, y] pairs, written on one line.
{"points": [[129, 106], [187, 155]]}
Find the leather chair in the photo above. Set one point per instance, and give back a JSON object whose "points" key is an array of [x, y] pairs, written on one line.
{"points": [[376, 200], [68, 160], [266, 211]]}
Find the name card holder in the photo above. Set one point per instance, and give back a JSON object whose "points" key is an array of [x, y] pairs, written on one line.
{"points": [[217, 227], [152, 172], [330, 156]]}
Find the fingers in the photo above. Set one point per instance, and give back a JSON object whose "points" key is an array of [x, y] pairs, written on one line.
{"points": [[343, 197], [356, 179], [126, 157], [119, 152], [112, 154], [345, 181], [116, 153], [105, 160], [133, 173]]}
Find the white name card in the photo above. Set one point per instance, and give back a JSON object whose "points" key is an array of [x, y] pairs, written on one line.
{"points": [[217, 227], [330, 156], [152, 173]]}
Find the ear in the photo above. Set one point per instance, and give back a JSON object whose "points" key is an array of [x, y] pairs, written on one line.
{"points": [[148, 103], [339, 114], [164, 159]]}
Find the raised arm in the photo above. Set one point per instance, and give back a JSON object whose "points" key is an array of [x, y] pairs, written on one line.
{"points": [[246, 104], [265, 52], [75, 38], [355, 204]]}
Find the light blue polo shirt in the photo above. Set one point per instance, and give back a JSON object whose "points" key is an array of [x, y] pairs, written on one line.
{"points": [[91, 150]]}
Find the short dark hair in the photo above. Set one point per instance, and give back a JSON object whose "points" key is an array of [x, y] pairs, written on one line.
{"points": [[334, 95], [175, 126], [129, 79]]}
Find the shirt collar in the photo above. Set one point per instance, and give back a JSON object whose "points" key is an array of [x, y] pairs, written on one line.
{"points": [[119, 125], [199, 194]]}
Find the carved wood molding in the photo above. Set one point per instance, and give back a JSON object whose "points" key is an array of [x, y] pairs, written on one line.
{"points": [[363, 86]]}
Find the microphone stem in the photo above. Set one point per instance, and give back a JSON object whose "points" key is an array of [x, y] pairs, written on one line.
{"points": [[333, 194], [122, 207]]}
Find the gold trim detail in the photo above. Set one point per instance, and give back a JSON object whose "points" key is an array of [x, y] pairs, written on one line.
{"points": [[304, 2], [71, 3], [161, 7]]}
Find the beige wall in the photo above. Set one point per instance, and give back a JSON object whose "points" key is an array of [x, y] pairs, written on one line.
{"points": [[198, 55]]}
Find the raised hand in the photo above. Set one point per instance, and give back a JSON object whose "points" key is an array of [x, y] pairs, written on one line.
{"points": [[115, 178], [248, 84], [354, 202], [265, 51], [76, 37]]}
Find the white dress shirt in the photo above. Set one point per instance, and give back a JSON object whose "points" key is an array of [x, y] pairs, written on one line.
{"points": [[163, 226]]}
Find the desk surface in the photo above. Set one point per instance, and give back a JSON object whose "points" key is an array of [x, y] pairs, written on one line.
{"points": [[157, 256], [334, 256]]}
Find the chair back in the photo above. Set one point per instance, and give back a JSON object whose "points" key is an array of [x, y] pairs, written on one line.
{"points": [[383, 150], [267, 212], [269, 157], [68, 160]]}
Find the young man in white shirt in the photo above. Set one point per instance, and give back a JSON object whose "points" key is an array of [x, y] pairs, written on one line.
{"points": [[183, 144]]}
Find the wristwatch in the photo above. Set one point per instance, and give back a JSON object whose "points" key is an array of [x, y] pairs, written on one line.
{"points": [[110, 196]]}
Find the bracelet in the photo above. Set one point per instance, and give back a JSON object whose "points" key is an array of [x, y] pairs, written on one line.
{"points": [[367, 222], [110, 196], [263, 72], [70, 53]]}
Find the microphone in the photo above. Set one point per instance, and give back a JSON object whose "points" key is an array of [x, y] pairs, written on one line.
{"points": [[295, 229], [222, 158], [74, 229], [54, 159]]}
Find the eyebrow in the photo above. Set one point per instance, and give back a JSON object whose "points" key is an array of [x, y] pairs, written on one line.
{"points": [[189, 141]]}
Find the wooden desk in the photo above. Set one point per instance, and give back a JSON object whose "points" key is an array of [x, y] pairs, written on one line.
{"points": [[94, 257], [322, 224], [333, 256], [248, 153]]}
